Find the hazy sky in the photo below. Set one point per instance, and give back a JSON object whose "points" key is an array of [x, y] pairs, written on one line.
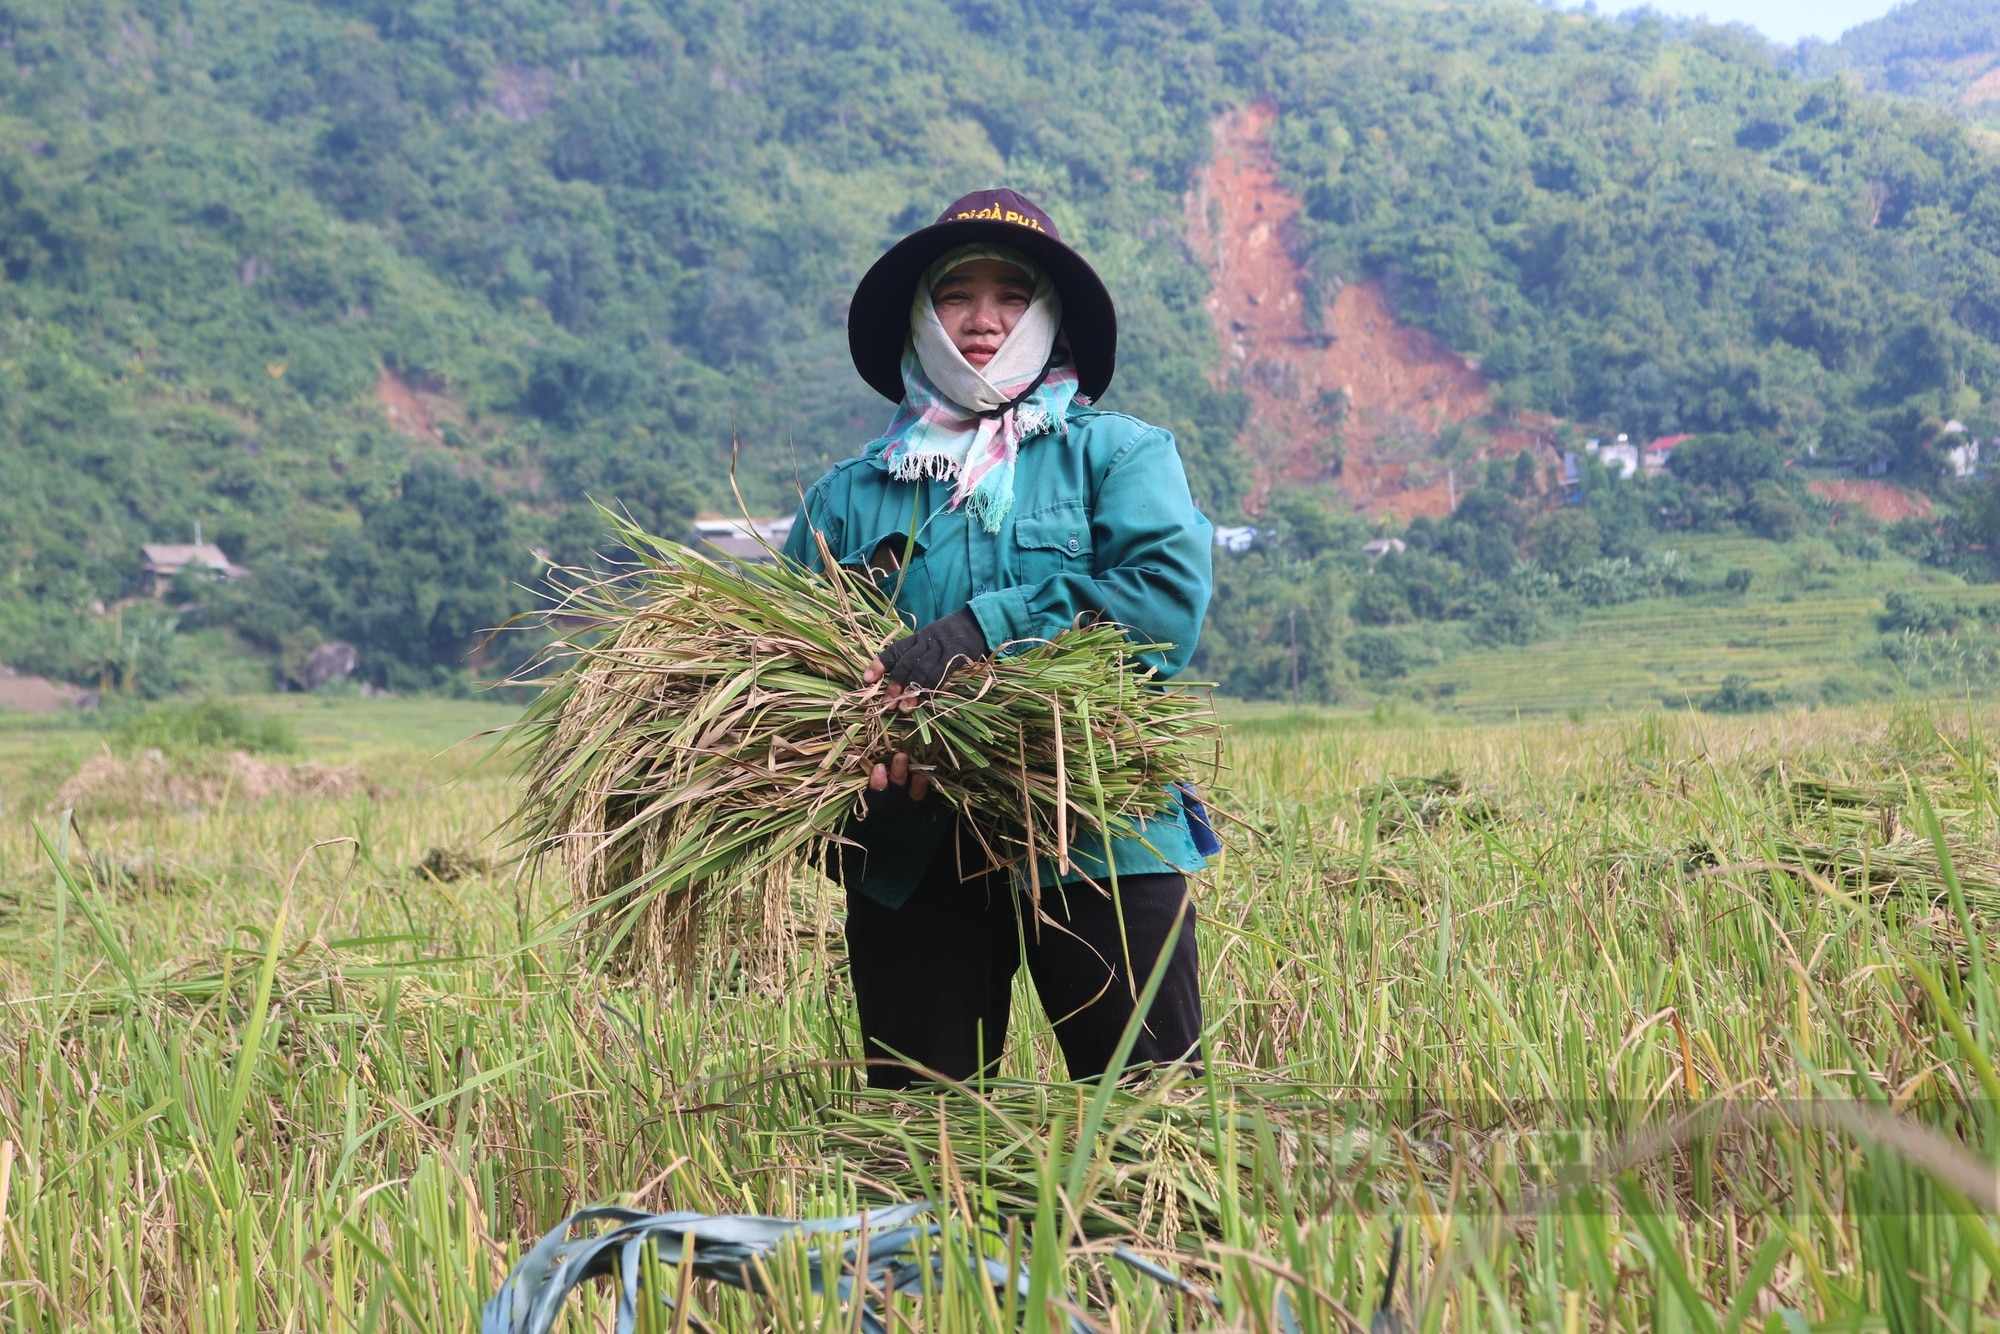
{"points": [[1781, 20]]}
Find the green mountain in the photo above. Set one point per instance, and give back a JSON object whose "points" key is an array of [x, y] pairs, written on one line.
{"points": [[1942, 50], [601, 249]]}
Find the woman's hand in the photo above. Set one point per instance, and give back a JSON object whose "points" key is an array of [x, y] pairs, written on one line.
{"points": [[913, 664], [892, 784], [919, 662]]}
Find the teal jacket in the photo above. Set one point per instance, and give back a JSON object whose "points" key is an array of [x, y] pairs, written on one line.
{"points": [[1102, 524]]}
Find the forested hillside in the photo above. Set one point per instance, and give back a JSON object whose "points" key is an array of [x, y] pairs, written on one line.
{"points": [[1942, 50], [599, 249]]}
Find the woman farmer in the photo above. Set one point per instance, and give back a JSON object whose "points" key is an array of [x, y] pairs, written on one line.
{"points": [[999, 508]]}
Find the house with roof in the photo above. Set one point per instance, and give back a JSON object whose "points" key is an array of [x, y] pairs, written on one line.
{"points": [[746, 538], [161, 563], [1236, 539], [1621, 456], [1960, 450], [1653, 458]]}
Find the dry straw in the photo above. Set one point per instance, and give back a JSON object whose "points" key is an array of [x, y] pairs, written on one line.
{"points": [[704, 729]]}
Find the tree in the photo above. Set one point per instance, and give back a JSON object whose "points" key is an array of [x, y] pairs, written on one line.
{"points": [[1739, 459], [1564, 540], [1772, 513], [430, 572], [1979, 520], [1306, 524]]}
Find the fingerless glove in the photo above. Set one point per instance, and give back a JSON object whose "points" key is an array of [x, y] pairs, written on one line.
{"points": [[923, 660]]}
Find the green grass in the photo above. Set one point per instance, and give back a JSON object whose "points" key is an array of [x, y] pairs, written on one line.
{"points": [[1809, 616], [213, 723], [347, 729], [295, 1088]]}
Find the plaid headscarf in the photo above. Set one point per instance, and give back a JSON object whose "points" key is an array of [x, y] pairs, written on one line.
{"points": [[957, 422]]}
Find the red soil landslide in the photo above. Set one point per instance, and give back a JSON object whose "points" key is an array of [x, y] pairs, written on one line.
{"points": [[412, 411], [1883, 502], [1397, 380]]}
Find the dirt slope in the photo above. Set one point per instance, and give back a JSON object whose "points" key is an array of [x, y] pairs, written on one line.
{"points": [[1397, 384], [35, 694], [1985, 88], [1882, 501], [415, 412]]}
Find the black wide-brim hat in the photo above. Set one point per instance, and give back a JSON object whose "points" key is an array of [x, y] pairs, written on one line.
{"points": [[878, 319]]}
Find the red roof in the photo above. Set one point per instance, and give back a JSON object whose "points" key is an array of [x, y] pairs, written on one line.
{"points": [[1666, 443]]}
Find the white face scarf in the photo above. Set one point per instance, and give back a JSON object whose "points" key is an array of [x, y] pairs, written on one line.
{"points": [[1020, 358], [960, 423]]}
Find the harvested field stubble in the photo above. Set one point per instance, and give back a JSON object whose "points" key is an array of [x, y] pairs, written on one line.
{"points": [[113, 784], [1599, 1080]]}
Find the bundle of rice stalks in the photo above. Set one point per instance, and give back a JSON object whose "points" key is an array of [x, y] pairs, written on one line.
{"points": [[1908, 866], [1424, 801], [1871, 811], [708, 730]]}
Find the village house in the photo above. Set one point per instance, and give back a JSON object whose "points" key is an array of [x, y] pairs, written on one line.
{"points": [[1235, 539], [1961, 451], [1621, 457], [1653, 459], [161, 563], [746, 538], [1572, 476]]}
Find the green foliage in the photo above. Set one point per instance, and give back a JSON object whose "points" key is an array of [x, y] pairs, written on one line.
{"points": [[1565, 540], [1654, 228], [1276, 626], [418, 586], [615, 241], [1937, 615], [1978, 523], [1739, 460], [1615, 579], [205, 725], [611, 245], [1735, 479], [1737, 695], [428, 574], [135, 651], [1772, 512], [1918, 48], [1950, 662], [1379, 654], [1305, 525], [1942, 642]]}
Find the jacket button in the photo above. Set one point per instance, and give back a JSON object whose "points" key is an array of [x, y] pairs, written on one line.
{"points": [[1072, 544]]}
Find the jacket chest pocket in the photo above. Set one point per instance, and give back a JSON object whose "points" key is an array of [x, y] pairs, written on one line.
{"points": [[881, 562], [1053, 541]]}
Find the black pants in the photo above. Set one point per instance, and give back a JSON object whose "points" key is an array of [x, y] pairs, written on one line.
{"points": [[933, 980]]}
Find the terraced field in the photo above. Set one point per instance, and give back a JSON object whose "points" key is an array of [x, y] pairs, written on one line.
{"points": [[1806, 629]]}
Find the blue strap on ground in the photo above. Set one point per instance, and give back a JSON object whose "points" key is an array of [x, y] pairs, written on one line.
{"points": [[729, 1248]]}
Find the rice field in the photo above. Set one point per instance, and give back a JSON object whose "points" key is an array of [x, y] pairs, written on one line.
{"points": [[1665, 1022], [1806, 629]]}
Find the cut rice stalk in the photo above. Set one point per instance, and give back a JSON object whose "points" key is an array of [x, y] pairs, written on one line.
{"points": [[708, 730]]}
